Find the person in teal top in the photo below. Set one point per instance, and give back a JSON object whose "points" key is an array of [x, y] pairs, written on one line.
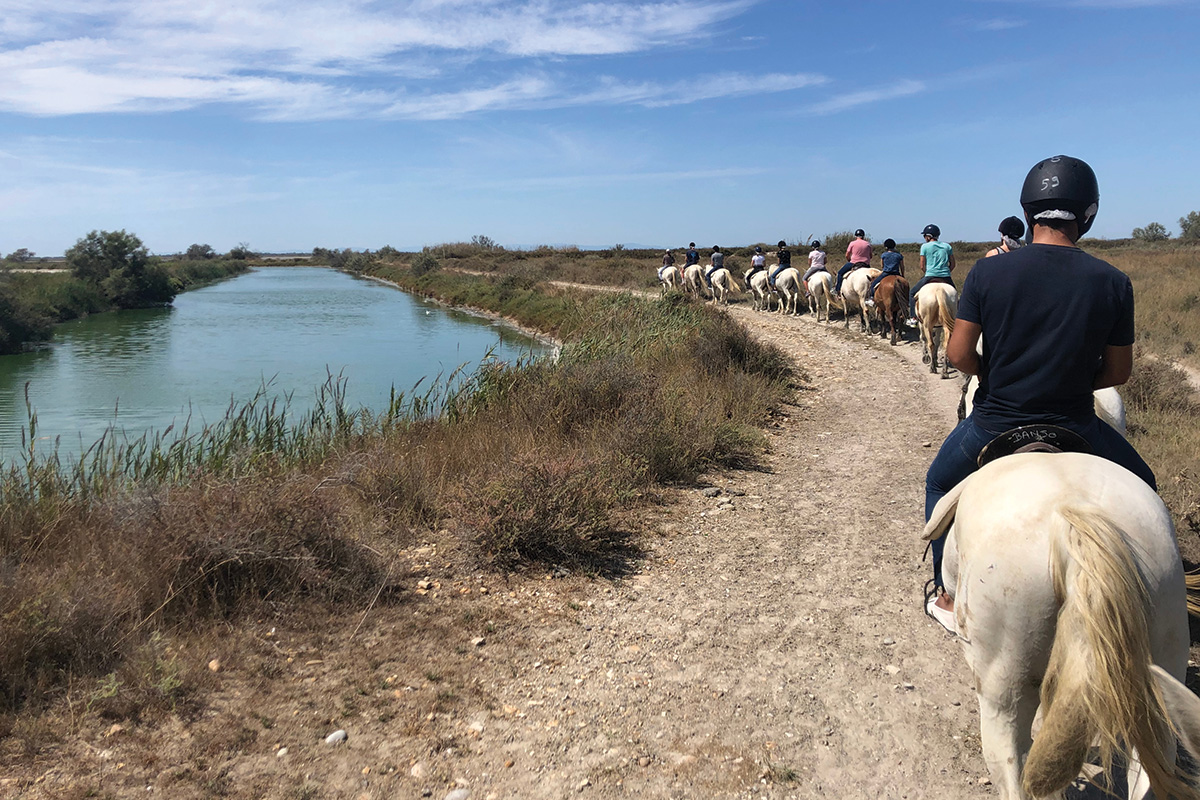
{"points": [[937, 260]]}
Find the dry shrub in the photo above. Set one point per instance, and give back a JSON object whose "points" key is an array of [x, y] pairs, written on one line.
{"points": [[1160, 386], [553, 508], [1163, 414], [105, 576]]}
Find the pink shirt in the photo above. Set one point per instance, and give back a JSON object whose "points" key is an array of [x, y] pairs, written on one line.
{"points": [[859, 251]]}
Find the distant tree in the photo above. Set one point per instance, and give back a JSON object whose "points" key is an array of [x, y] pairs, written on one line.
{"points": [[484, 242], [200, 252], [1189, 226], [388, 253], [1154, 232], [119, 264], [423, 263], [242, 252], [20, 256]]}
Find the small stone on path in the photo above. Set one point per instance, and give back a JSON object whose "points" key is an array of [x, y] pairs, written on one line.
{"points": [[337, 737], [711, 491]]}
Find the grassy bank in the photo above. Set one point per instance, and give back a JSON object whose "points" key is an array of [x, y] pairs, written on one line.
{"points": [[108, 561], [31, 303]]}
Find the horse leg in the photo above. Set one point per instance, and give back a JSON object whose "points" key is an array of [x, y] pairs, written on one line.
{"points": [[945, 361]]}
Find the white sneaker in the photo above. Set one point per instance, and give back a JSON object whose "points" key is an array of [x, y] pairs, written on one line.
{"points": [[911, 322], [941, 616], [870, 304]]}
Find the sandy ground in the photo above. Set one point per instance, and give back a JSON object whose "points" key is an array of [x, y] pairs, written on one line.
{"points": [[769, 642]]}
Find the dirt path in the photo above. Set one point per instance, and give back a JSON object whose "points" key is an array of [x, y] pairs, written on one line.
{"points": [[770, 644]]}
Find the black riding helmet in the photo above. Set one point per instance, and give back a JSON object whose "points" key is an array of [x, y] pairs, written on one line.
{"points": [[1062, 184], [782, 243], [815, 243], [1012, 227]]}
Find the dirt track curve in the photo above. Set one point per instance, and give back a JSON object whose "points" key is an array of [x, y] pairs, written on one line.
{"points": [[771, 644]]}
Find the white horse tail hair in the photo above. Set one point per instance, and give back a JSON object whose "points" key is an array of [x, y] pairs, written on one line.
{"points": [[1192, 579], [947, 314], [1098, 683]]}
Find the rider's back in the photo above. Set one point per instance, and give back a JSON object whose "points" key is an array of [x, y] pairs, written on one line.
{"points": [[1047, 313]]}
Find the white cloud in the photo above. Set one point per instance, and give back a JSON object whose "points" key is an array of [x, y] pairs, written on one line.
{"points": [[288, 58], [850, 100]]}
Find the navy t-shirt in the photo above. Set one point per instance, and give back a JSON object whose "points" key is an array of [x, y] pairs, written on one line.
{"points": [[891, 262], [1047, 313]]}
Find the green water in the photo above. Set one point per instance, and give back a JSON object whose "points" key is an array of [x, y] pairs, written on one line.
{"points": [[289, 326]]}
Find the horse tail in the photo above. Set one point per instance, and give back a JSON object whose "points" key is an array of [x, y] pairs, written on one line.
{"points": [[1098, 682], [947, 313], [1192, 580]]}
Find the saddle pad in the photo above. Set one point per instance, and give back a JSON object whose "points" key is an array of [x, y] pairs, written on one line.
{"points": [[1033, 439]]}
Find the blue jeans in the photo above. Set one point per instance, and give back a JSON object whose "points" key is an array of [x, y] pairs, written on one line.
{"points": [[875, 284], [846, 268], [956, 460], [912, 296], [775, 272]]}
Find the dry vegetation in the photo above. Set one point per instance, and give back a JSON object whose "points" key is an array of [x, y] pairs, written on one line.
{"points": [[106, 577]]}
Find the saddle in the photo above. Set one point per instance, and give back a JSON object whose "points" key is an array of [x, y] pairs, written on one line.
{"points": [[1033, 439]]}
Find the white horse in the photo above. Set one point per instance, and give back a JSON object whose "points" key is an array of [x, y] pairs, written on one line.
{"points": [[693, 279], [791, 288], [669, 278], [819, 291], [1066, 576], [723, 285], [854, 294], [937, 307], [764, 295]]}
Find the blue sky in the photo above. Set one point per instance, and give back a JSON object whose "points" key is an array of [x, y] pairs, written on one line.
{"points": [[291, 124]]}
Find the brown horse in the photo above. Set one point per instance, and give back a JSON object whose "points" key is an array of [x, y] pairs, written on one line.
{"points": [[891, 305]]}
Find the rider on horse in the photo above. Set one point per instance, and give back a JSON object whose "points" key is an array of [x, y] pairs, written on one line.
{"points": [[1056, 323]]}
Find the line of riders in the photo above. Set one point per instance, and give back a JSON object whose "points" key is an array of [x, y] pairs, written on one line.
{"points": [[1059, 574], [937, 262]]}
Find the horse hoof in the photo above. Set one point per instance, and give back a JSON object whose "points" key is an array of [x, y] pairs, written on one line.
{"points": [[924, 359]]}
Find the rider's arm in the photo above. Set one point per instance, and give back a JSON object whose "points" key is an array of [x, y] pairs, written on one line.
{"points": [[922, 264], [953, 263], [1116, 365], [961, 349]]}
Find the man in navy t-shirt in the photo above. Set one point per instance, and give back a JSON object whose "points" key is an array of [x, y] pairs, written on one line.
{"points": [[1056, 324]]}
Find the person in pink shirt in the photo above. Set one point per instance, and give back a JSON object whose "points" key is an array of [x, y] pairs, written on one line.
{"points": [[858, 254]]}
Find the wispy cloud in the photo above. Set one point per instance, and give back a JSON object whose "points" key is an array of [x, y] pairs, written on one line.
{"points": [[849, 100], [309, 59], [998, 24]]}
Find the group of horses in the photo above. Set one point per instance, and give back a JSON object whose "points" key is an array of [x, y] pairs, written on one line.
{"points": [[1071, 603], [937, 303]]}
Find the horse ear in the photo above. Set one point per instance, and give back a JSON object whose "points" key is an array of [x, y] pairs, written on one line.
{"points": [[1183, 708]]}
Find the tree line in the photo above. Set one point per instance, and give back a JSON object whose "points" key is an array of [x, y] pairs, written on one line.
{"points": [[106, 271], [1189, 230]]}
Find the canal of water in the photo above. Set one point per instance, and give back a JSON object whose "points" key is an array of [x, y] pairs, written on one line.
{"points": [[288, 327]]}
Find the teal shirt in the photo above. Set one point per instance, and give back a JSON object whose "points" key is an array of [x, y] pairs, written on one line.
{"points": [[937, 259]]}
